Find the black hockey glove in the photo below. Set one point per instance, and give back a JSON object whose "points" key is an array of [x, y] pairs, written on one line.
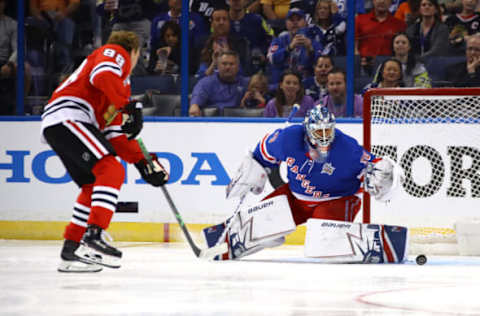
{"points": [[134, 123], [157, 176]]}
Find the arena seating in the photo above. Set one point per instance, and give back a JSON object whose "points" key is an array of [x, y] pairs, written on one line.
{"points": [[242, 112]]}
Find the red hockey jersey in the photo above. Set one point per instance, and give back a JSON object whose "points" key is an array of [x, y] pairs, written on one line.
{"points": [[94, 93]]}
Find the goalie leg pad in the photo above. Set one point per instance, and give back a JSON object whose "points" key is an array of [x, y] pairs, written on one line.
{"points": [[345, 242], [255, 227]]}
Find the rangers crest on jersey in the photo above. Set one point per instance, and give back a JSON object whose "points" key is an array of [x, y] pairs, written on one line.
{"points": [[328, 168]]}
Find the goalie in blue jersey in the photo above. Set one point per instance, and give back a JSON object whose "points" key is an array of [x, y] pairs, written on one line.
{"points": [[325, 169]]}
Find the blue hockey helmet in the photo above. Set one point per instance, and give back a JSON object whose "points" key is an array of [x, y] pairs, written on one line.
{"points": [[319, 126]]}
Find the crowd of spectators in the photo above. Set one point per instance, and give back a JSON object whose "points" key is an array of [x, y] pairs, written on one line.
{"points": [[253, 54]]}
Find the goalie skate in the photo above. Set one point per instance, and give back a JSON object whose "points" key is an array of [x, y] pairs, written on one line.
{"points": [[95, 249], [212, 234], [73, 263], [236, 242]]}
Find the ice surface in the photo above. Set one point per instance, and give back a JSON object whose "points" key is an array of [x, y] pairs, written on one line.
{"points": [[167, 279]]}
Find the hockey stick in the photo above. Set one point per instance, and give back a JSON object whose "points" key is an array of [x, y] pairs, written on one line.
{"points": [[294, 110], [220, 240], [200, 253]]}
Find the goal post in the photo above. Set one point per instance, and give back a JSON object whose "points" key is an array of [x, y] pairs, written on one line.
{"points": [[434, 134]]}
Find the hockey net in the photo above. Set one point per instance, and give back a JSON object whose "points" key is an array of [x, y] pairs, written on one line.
{"points": [[434, 134]]}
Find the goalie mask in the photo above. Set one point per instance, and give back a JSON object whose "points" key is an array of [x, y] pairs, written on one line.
{"points": [[320, 131]]}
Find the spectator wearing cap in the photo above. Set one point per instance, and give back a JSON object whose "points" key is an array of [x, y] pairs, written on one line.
{"points": [[293, 49]]}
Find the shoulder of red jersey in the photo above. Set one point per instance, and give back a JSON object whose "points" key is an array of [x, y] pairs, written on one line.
{"points": [[112, 59]]}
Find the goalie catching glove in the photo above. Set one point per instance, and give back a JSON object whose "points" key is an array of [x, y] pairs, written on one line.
{"points": [[132, 119], [383, 178], [250, 176], [155, 176]]}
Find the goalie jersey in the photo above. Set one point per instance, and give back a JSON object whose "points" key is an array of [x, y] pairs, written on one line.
{"points": [[338, 176]]}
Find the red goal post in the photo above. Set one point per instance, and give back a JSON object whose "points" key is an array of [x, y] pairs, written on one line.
{"points": [[435, 136]]}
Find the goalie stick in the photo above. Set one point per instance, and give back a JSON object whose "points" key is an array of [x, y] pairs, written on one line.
{"points": [[220, 245], [200, 253]]}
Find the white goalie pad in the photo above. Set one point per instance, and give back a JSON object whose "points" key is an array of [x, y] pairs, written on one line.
{"points": [[250, 176], [345, 242], [260, 226], [383, 179]]}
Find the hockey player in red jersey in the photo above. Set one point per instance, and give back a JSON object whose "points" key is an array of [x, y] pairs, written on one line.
{"points": [[81, 124]]}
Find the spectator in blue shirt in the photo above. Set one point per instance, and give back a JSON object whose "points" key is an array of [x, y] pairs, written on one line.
{"points": [[252, 27], [223, 89], [328, 28], [222, 39], [293, 49], [316, 85]]}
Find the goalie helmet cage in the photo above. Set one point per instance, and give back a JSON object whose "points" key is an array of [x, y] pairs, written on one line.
{"points": [[434, 134]]}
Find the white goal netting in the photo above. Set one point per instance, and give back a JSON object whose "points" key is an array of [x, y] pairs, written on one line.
{"points": [[434, 134]]}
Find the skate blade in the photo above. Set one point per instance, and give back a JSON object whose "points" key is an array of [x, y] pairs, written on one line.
{"points": [[89, 255], [78, 267]]}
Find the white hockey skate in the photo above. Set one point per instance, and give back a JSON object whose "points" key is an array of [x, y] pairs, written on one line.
{"points": [[73, 263], [95, 249]]}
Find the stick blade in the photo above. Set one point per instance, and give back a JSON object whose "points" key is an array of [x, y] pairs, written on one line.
{"points": [[210, 253]]}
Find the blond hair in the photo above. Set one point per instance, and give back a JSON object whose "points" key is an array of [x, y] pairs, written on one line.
{"points": [[260, 79], [126, 39]]}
